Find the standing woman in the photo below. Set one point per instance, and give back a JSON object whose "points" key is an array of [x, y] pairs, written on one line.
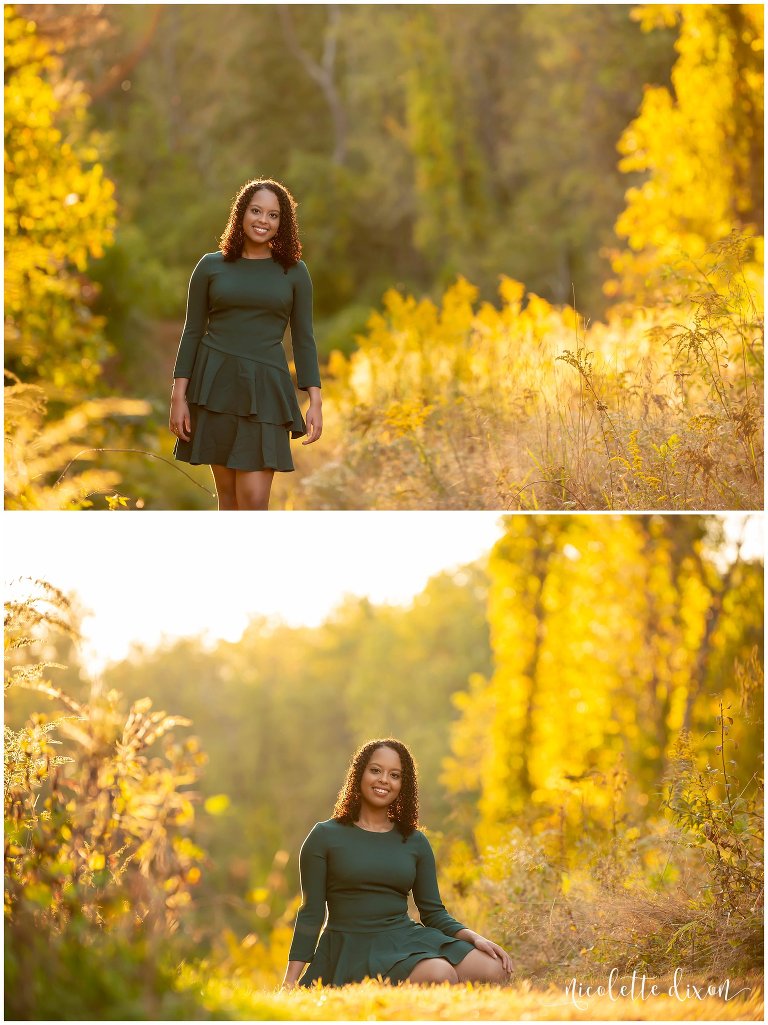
{"points": [[233, 405], [362, 863]]}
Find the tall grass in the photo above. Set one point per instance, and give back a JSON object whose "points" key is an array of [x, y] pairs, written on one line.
{"points": [[525, 406], [672, 880], [48, 462]]}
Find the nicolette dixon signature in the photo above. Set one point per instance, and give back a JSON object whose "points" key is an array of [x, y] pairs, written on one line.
{"points": [[640, 987]]}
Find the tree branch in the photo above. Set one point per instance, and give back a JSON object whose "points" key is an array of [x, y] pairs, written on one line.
{"points": [[323, 73]]}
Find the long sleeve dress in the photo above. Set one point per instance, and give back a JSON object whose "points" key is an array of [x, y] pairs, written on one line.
{"points": [[242, 403], [364, 879]]}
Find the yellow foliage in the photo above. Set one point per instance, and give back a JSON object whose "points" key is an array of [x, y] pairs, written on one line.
{"points": [[701, 143], [107, 851], [405, 417], [217, 804], [96, 861], [452, 404], [600, 629], [59, 214]]}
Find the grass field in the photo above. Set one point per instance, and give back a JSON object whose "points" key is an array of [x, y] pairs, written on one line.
{"points": [[372, 1001]]}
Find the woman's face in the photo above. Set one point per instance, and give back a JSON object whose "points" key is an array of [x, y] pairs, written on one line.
{"points": [[262, 216], [382, 778]]}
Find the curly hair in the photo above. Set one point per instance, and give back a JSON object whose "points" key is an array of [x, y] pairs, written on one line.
{"points": [[286, 247], [404, 812]]}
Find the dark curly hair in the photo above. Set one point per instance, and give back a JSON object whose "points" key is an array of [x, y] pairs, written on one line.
{"points": [[286, 247], [404, 812]]}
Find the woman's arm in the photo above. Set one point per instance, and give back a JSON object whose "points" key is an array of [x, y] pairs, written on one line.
{"points": [[302, 331], [426, 893], [305, 350], [194, 329], [313, 869], [433, 913], [196, 321]]}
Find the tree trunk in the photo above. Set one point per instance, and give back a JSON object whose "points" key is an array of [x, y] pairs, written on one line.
{"points": [[322, 73]]}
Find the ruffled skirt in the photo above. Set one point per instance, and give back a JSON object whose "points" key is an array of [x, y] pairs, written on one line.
{"points": [[243, 413], [393, 953]]}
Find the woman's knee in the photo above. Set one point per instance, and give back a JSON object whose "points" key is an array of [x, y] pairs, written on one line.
{"points": [[226, 492], [433, 970], [497, 973], [253, 489], [227, 500], [479, 967]]}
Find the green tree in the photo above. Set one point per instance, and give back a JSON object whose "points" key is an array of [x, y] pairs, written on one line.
{"points": [[452, 214], [580, 78]]}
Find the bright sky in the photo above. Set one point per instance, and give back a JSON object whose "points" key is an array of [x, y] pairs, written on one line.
{"points": [[153, 575]]}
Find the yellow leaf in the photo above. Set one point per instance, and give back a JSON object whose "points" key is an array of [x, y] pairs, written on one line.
{"points": [[218, 804]]}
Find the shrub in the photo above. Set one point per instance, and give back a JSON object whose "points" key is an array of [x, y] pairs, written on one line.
{"points": [[99, 867]]}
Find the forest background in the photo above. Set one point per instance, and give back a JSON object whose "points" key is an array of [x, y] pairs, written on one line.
{"points": [[585, 706], [534, 231]]}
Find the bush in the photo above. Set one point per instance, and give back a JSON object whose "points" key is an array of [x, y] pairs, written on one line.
{"points": [[99, 866]]}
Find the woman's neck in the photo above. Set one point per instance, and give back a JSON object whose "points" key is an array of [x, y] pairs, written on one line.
{"points": [[375, 819], [254, 252]]}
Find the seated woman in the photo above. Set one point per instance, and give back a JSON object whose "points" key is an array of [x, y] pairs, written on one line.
{"points": [[362, 863]]}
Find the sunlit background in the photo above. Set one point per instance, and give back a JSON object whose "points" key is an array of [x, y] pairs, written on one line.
{"points": [[505, 211], [583, 698], [535, 235]]}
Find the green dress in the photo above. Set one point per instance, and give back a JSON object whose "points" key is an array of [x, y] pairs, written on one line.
{"points": [[364, 878], [242, 403]]}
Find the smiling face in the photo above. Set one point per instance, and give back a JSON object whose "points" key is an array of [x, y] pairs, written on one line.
{"points": [[262, 217], [382, 778]]}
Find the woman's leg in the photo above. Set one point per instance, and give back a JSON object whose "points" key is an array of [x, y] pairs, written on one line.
{"points": [[432, 971], [225, 486], [252, 488], [480, 967]]}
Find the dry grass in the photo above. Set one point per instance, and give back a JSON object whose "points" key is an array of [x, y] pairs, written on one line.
{"points": [[525, 407], [605, 914], [48, 463]]}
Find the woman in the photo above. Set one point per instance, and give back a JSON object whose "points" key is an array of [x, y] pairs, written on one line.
{"points": [[362, 864], [233, 404]]}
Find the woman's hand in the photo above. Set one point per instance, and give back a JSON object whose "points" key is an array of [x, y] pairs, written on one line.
{"points": [[493, 950], [179, 421], [292, 974], [314, 417]]}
